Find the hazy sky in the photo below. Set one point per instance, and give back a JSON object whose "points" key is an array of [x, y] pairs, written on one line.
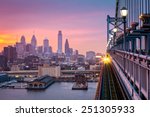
{"points": [[83, 22]]}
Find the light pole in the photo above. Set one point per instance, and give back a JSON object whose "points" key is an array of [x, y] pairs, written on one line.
{"points": [[124, 13], [114, 36]]}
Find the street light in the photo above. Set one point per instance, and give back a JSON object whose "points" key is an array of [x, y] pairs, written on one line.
{"points": [[124, 13], [115, 30], [114, 36]]}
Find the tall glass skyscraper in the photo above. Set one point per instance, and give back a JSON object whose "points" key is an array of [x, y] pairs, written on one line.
{"points": [[135, 9], [33, 43], [46, 45], [59, 42], [67, 49]]}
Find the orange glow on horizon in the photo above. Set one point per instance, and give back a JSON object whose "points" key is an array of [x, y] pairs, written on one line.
{"points": [[77, 39]]}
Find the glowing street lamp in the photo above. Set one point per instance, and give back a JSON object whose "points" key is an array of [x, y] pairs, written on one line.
{"points": [[124, 12], [115, 30]]}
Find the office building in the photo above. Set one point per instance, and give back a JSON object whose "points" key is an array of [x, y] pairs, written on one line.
{"points": [[59, 51], [67, 49], [34, 44], [46, 45], [29, 48], [23, 40], [10, 53], [20, 48], [40, 49]]}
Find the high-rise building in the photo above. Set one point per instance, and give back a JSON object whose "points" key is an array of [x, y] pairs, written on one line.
{"points": [[40, 49], [67, 49], [29, 48], [23, 40], [59, 51], [20, 48], [10, 53], [50, 50], [33, 43], [46, 45], [76, 52], [71, 51]]}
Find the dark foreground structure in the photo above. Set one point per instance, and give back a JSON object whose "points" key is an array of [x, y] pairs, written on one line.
{"points": [[129, 46], [80, 82]]}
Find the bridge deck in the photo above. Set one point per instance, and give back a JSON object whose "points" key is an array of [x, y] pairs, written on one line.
{"points": [[111, 88]]}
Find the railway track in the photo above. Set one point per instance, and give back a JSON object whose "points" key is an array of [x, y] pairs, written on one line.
{"points": [[111, 88]]}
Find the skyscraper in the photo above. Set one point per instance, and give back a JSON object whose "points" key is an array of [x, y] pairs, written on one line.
{"points": [[23, 40], [59, 42], [10, 53], [33, 43], [46, 45], [67, 49], [20, 47], [29, 48]]}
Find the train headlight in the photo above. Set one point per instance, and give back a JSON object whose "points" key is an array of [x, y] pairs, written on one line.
{"points": [[106, 60]]}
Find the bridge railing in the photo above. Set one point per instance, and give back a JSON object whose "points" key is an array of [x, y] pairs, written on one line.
{"points": [[136, 68]]}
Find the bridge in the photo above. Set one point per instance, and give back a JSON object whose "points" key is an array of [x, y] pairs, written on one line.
{"points": [[127, 74], [64, 73]]}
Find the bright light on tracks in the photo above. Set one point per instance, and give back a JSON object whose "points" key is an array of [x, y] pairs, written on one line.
{"points": [[106, 60]]}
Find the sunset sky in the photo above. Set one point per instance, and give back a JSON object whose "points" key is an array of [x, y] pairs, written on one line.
{"points": [[82, 22]]}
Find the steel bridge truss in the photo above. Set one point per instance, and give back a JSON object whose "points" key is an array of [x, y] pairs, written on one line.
{"points": [[112, 23]]}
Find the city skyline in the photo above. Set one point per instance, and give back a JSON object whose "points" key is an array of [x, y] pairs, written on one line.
{"points": [[21, 45], [82, 22]]}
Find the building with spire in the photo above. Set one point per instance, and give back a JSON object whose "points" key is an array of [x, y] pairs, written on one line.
{"points": [[67, 49], [21, 47], [23, 40], [33, 43]]}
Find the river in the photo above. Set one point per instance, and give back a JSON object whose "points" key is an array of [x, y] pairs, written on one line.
{"points": [[57, 91]]}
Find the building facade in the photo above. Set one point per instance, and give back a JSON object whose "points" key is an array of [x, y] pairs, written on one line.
{"points": [[59, 51], [67, 49], [46, 45], [34, 44], [10, 53], [53, 71], [23, 40]]}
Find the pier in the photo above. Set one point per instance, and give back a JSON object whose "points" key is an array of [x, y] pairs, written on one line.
{"points": [[41, 83]]}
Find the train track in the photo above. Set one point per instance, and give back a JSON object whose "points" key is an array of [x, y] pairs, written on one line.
{"points": [[111, 88]]}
